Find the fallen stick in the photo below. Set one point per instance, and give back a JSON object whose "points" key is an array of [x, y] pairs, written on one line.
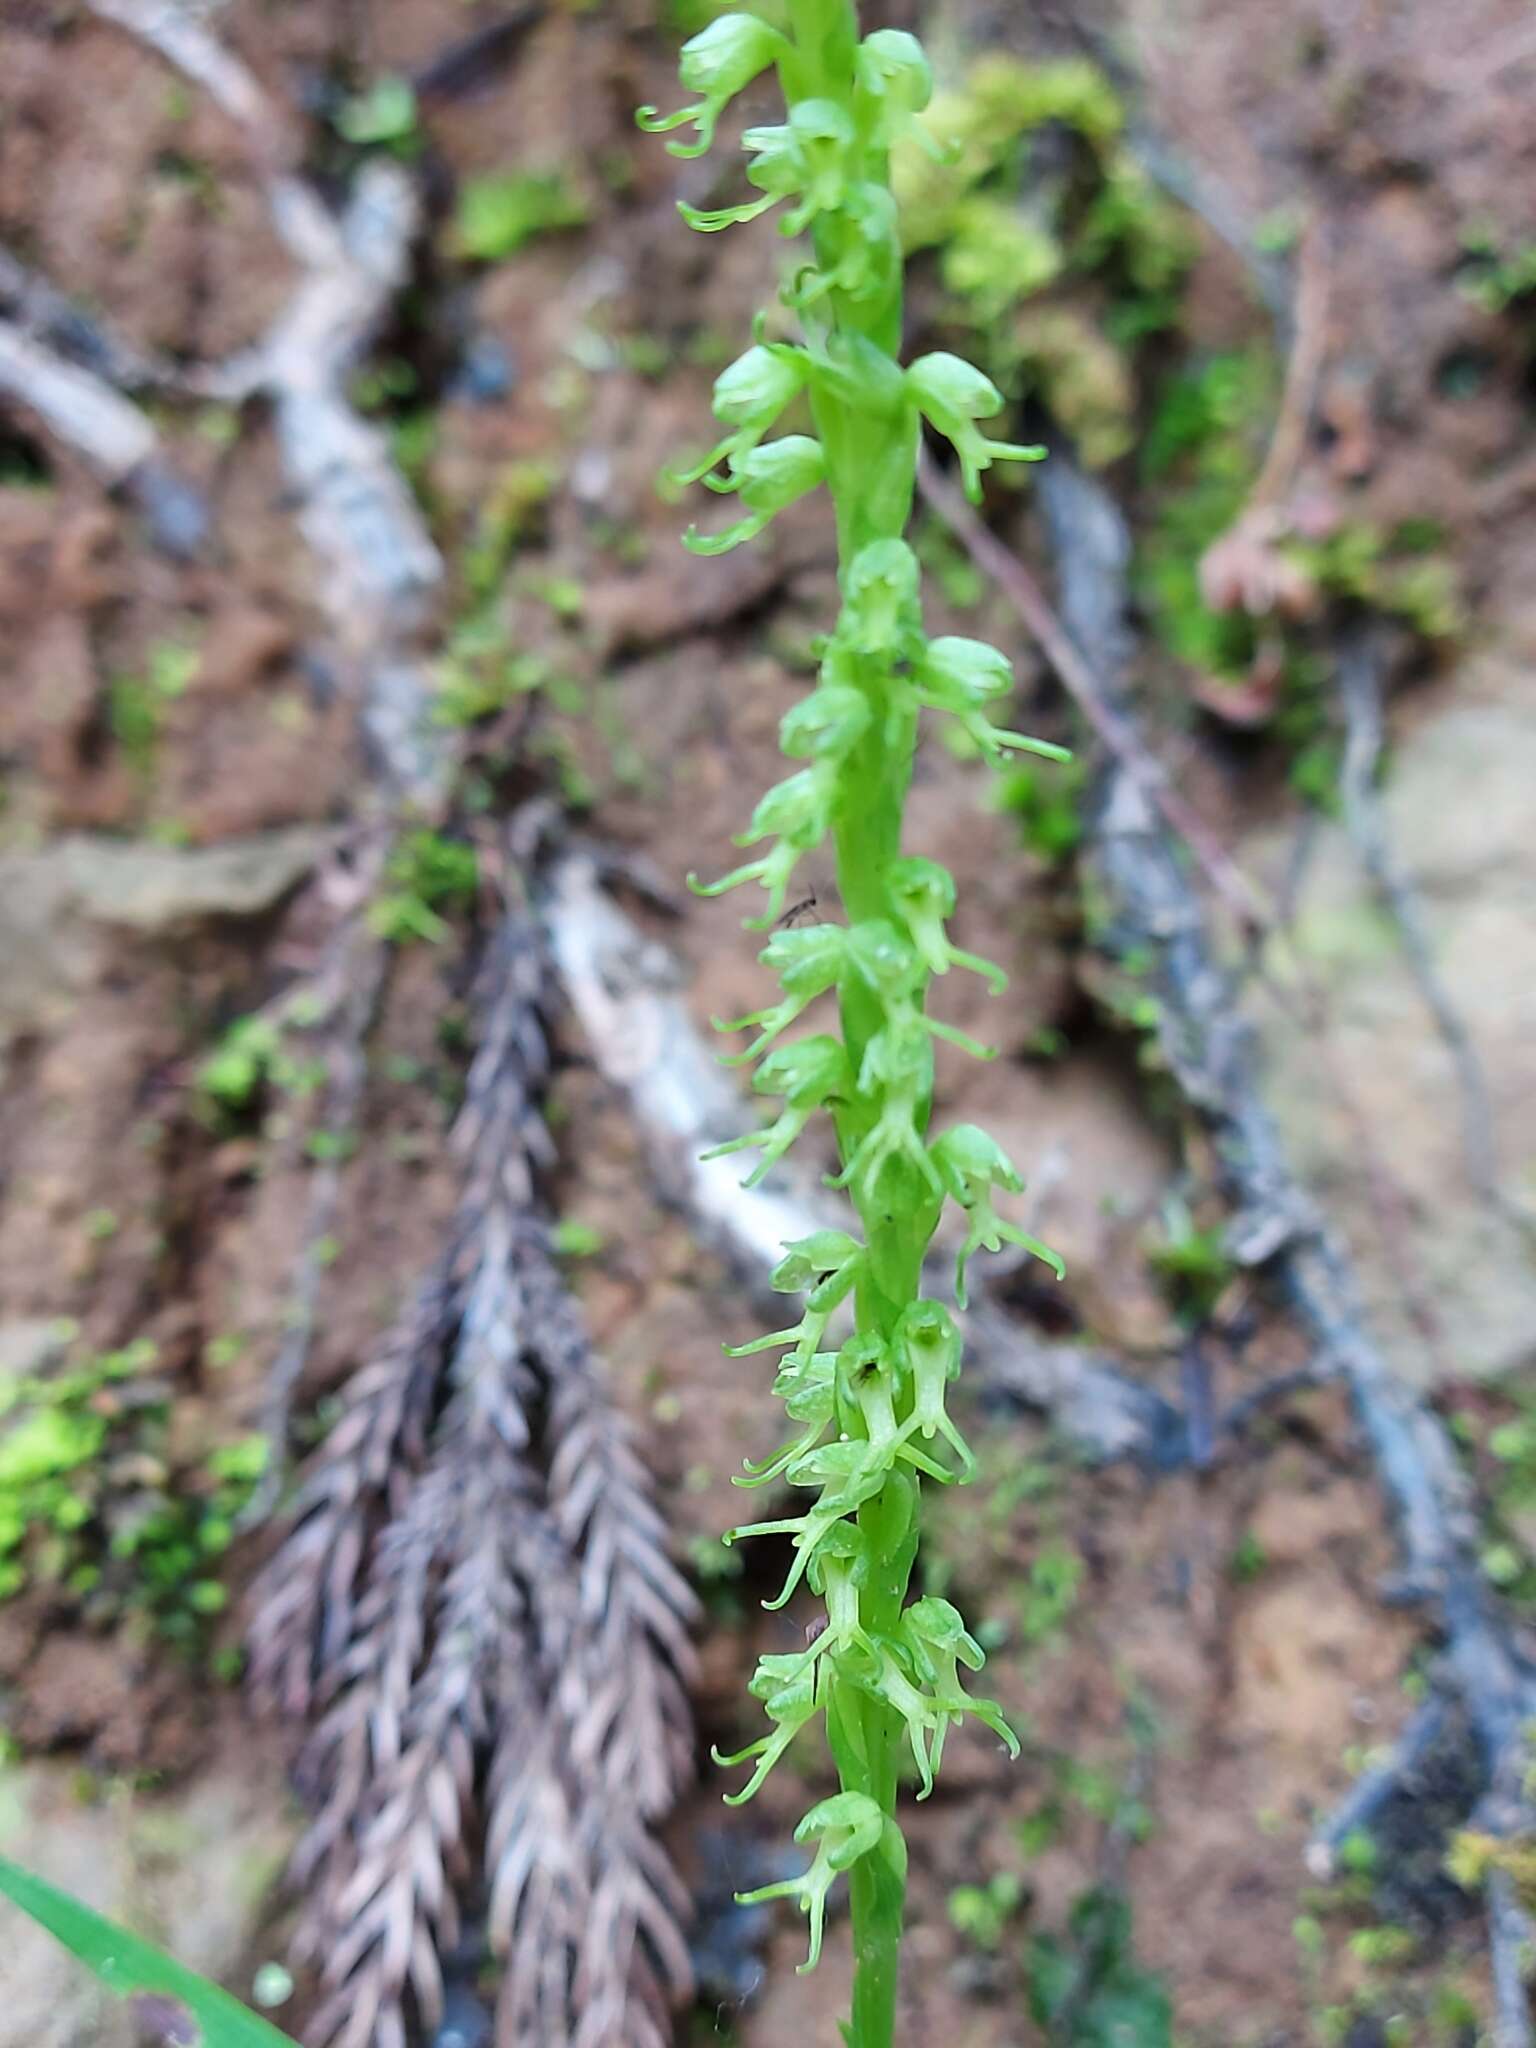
{"points": [[43, 312], [77, 407], [1247, 902], [1209, 1049]]}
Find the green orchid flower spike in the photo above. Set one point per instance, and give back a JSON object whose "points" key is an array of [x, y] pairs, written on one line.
{"points": [[837, 407]]}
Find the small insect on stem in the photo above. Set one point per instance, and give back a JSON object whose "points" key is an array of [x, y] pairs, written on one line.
{"points": [[797, 912]]}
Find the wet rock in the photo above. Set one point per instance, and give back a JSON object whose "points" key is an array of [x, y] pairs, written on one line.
{"points": [[54, 902], [191, 1870], [31, 1344], [158, 888], [1450, 1277]]}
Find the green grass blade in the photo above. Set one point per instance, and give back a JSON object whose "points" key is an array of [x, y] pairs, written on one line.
{"points": [[130, 1967]]}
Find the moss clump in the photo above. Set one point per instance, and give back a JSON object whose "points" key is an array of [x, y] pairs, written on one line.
{"points": [[1024, 229], [96, 1506]]}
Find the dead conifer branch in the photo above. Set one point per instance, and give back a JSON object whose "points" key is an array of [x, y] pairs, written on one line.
{"points": [[357, 966], [477, 1604]]}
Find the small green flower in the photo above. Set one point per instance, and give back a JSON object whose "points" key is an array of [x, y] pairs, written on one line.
{"points": [[938, 1642], [808, 156], [749, 396], [827, 725], [929, 1347], [808, 960], [882, 612], [787, 1687], [847, 1477], [809, 1074], [766, 477], [896, 77], [799, 812], [959, 676], [971, 1165], [844, 1828], [809, 1393], [924, 893], [952, 396]]}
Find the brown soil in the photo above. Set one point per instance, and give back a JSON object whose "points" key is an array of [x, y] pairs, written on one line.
{"points": [[1262, 1688]]}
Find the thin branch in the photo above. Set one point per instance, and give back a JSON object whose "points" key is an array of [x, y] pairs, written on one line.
{"points": [[43, 313], [78, 408], [1303, 367]]}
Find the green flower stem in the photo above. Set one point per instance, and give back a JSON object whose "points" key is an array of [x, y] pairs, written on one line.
{"points": [[870, 1418], [867, 814]]}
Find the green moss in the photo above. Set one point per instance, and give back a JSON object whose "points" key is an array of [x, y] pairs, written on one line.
{"points": [[1493, 276], [1004, 236], [383, 116], [93, 1506], [427, 874], [254, 1055], [1082, 378], [137, 702], [573, 1239], [993, 255], [1046, 808], [1048, 1596], [981, 1913], [500, 213]]}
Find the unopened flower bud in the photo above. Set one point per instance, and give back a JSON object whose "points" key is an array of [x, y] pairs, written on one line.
{"points": [[758, 385], [958, 674]]}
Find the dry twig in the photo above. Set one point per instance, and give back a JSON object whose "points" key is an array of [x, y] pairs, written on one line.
{"points": [[79, 408]]}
